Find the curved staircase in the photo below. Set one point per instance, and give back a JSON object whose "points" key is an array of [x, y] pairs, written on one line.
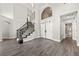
{"points": [[24, 31]]}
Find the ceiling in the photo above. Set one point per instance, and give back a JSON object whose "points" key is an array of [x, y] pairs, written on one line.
{"points": [[39, 5]]}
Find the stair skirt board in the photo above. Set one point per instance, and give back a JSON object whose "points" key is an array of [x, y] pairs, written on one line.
{"points": [[27, 39], [28, 34]]}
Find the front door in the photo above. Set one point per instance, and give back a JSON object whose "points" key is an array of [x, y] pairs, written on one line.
{"points": [[46, 28]]}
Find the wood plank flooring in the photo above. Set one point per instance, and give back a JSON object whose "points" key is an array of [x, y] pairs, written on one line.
{"points": [[39, 47]]}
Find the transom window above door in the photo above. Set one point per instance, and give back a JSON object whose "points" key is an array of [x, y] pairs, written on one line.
{"points": [[47, 12]]}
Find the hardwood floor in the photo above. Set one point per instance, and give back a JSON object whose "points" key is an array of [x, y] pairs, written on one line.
{"points": [[39, 47]]}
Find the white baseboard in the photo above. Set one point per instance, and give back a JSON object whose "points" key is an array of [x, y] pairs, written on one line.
{"points": [[31, 38], [8, 38], [56, 40]]}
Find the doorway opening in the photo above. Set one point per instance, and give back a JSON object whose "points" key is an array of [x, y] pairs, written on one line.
{"points": [[68, 30], [68, 26]]}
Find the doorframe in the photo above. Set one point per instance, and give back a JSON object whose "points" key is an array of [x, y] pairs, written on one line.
{"points": [[64, 18]]}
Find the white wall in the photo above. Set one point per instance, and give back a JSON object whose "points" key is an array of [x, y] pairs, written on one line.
{"points": [[0, 29], [6, 14], [37, 23], [77, 20], [6, 9], [6, 29]]}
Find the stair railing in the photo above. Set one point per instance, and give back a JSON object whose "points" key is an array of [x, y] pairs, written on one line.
{"points": [[22, 30]]}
